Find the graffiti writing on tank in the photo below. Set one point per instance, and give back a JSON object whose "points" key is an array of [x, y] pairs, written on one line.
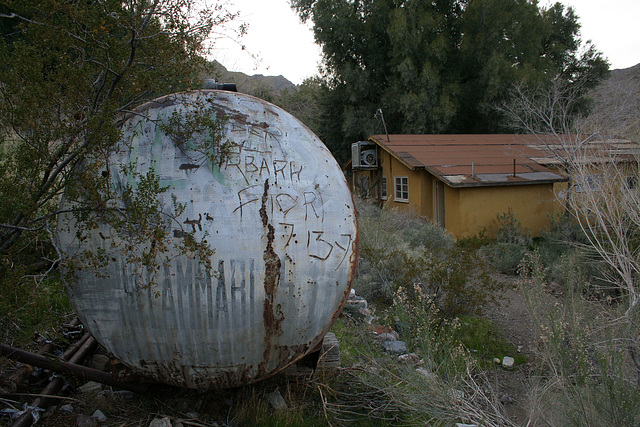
{"points": [[284, 200], [251, 151]]}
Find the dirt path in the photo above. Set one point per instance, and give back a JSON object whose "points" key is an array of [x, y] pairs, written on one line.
{"points": [[513, 319]]}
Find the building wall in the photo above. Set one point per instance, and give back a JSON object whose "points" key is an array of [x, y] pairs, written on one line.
{"points": [[478, 208], [419, 186], [468, 211]]}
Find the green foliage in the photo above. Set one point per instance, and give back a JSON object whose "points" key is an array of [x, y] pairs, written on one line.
{"points": [[510, 245], [438, 67], [70, 71], [375, 387], [30, 303], [484, 341], [303, 102], [418, 319], [69, 74], [398, 250]]}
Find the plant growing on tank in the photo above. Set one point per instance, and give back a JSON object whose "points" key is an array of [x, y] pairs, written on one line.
{"points": [[199, 132]]}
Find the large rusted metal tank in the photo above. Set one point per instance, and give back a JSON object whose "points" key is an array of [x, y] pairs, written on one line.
{"points": [[274, 206]]}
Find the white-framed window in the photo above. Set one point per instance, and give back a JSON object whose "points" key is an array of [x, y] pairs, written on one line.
{"points": [[401, 189], [383, 188]]}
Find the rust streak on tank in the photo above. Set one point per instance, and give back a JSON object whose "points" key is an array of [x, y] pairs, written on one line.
{"points": [[272, 315]]}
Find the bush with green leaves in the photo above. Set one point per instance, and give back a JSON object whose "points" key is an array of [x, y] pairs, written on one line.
{"points": [[375, 388], [400, 250], [511, 244]]}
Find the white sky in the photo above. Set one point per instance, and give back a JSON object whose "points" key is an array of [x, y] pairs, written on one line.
{"points": [[284, 46]]}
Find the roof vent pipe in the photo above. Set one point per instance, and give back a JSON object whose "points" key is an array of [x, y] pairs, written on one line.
{"points": [[514, 168]]}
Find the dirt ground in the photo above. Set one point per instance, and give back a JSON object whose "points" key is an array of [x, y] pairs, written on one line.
{"points": [[514, 321]]}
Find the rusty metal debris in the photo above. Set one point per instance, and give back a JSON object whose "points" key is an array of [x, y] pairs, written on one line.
{"points": [[62, 368], [71, 367]]}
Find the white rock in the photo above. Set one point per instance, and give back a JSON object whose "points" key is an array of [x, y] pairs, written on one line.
{"points": [[395, 347], [99, 416], [386, 337], [409, 358], [508, 362], [277, 401], [91, 387], [161, 422], [66, 408], [427, 374]]}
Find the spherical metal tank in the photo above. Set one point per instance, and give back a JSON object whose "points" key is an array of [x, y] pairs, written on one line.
{"points": [[272, 204]]}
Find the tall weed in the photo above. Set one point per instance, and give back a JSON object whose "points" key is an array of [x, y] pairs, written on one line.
{"points": [[444, 388], [585, 377]]}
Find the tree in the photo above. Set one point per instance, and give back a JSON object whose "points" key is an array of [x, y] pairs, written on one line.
{"points": [[511, 43], [302, 101], [438, 67], [69, 72]]}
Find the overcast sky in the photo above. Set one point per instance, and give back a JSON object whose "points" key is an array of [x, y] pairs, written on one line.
{"points": [[284, 46]]}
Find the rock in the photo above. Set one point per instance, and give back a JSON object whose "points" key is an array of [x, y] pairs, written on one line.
{"points": [[379, 329], [505, 398], [85, 421], [519, 350], [66, 409], [356, 303], [508, 362], [466, 425], [395, 347], [161, 422], [98, 415], [409, 358], [427, 374], [366, 315], [193, 415], [496, 360], [100, 362], [90, 387], [357, 308], [386, 337], [277, 401]]}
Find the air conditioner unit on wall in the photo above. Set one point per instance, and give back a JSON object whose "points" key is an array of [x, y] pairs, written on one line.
{"points": [[364, 154], [369, 157]]}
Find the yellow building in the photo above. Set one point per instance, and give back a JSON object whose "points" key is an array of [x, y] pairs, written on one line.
{"points": [[461, 182]]}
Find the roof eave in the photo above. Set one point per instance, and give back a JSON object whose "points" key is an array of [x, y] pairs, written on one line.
{"points": [[499, 184], [393, 154]]}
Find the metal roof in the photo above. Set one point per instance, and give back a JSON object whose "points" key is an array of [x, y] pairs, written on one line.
{"points": [[484, 160]]}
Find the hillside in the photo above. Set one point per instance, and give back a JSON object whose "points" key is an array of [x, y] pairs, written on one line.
{"points": [[257, 84], [617, 102]]}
